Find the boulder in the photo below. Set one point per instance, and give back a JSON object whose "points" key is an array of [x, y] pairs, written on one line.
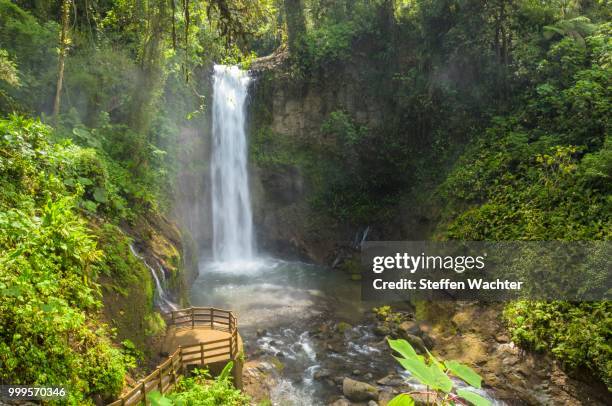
{"points": [[391, 380], [416, 342], [341, 402], [382, 330], [409, 327], [321, 374], [358, 391]]}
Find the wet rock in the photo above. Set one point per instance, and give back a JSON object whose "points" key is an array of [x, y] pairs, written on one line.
{"points": [[342, 327], [321, 374], [416, 342], [358, 391], [279, 355], [382, 330], [261, 332], [385, 397], [341, 402], [335, 346], [391, 380]]}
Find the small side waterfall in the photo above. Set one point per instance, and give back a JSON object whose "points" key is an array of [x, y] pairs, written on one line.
{"points": [[231, 201], [161, 297]]}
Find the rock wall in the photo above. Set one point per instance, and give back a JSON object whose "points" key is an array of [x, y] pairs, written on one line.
{"points": [[294, 108]]}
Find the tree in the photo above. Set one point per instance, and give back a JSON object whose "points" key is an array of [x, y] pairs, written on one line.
{"points": [[63, 47], [296, 25]]}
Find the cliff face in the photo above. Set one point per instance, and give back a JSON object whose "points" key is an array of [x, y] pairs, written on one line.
{"points": [[288, 141]]}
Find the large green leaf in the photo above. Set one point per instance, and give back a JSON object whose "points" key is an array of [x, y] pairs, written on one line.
{"points": [[402, 399], [157, 399], [473, 398], [429, 375], [402, 347], [226, 371], [100, 195], [464, 372]]}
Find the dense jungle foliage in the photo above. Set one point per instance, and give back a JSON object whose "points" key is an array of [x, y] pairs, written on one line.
{"points": [[498, 109]]}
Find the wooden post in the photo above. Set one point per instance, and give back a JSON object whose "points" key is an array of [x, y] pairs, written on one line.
{"points": [[143, 391], [159, 374], [192, 319], [181, 358], [212, 315], [202, 353]]}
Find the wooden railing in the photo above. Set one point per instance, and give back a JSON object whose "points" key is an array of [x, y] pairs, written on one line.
{"points": [[203, 353]]}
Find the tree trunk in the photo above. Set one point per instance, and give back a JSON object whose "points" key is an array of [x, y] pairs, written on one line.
{"points": [[63, 46], [296, 25]]}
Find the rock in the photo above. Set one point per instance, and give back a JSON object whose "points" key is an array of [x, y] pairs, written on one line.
{"points": [[321, 374], [385, 396], [428, 341], [372, 403], [510, 360], [341, 402], [382, 330], [342, 327], [261, 332], [416, 342], [358, 391], [356, 372], [502, 338], [391, 380], [338, 379], [368, 377], [279, 355], [409, 327]]}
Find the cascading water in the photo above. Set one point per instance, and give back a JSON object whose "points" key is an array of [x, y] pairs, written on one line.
{"points": [[161, 296], [231, 201]]}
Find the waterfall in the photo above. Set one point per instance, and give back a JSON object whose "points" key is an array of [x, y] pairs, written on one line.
{"points": [[161, 297], [231, 201]]}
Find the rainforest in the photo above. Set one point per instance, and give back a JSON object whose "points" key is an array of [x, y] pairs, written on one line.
{"points": [[187, 188]]}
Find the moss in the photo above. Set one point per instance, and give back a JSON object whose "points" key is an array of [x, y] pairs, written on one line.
{"points": [[127, 287], [278, 365], [342, 327], [155, 324]]}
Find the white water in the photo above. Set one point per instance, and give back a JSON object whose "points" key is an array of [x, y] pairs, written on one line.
{"points": [[231, 201], [161, 297]]}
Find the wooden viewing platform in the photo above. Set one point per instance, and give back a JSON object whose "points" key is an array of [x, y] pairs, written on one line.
{"points": [[202, 336]]}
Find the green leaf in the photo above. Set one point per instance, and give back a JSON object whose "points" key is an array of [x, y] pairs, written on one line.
{"points": [[85, 181], [402, 399], [157, 399], [428, 375], [14, 292], [100, 195], [89, 205], [473, 398], [402, 347], [464, 372], [226, 371]]}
